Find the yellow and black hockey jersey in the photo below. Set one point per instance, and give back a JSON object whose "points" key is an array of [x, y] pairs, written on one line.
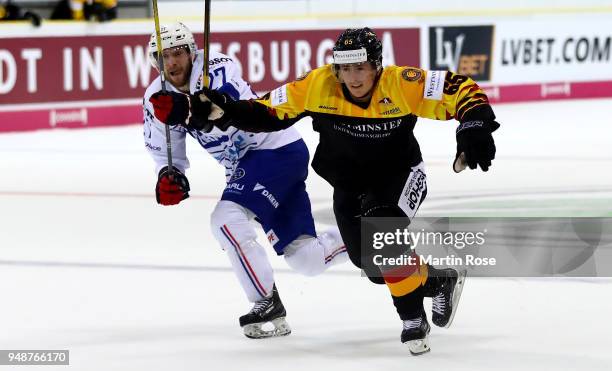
{"points": [[363, 144]]}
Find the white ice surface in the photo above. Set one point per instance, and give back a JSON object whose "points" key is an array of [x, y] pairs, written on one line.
{"points": [[90, 263]]}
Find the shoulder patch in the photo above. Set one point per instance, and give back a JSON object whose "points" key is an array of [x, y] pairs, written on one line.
{"points": [[434, 85], [412, 74], [279, 96]]}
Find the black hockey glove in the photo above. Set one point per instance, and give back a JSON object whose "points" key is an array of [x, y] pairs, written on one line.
{"points": [[171, 188], [199, 114], [219, 112], [475, 145]]}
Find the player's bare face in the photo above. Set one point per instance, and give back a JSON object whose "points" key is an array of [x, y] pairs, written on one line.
{"points": [[177, 64], [359, 79]]}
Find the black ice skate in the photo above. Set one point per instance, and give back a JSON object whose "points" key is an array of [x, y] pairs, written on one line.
{"points": [[268, 310], [416, 335], [446, 295]]}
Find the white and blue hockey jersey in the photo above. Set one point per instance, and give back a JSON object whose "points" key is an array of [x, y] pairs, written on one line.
{"points": [[227, 147]]}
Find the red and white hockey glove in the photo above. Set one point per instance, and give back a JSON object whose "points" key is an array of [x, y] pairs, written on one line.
{"points": [[171, 108], [171, 188], [174, 108]]}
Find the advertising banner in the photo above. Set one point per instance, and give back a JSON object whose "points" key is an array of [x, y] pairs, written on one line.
{"points": [[552, 51], [539, 59], [462, 49], [76, 81], [77, 75]]}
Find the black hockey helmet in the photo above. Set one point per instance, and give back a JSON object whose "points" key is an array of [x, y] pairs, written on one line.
{"points": [[356, 45]]}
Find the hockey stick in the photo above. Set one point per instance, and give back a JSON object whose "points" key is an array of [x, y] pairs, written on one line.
{"points": [[216, 111], [206, 42], [162, 76]]}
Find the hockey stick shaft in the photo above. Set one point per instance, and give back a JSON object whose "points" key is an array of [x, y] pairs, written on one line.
{"points": [[206, 41], [162, 74]]}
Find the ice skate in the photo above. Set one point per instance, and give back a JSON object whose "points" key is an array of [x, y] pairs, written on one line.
{"points": [[416, 335], [266, 311], [446, 296]]}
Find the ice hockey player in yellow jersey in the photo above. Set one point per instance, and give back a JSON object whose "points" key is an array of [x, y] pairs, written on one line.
{"points": [[365, 114]]}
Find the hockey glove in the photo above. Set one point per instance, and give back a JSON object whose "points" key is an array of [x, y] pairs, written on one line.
{"points": [[171, 108], [200, 110], [171, 188], [475, 145], [217, 113], [174, 108]]}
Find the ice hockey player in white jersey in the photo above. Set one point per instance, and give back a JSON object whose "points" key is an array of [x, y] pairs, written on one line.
{"points": [[265, 176]]}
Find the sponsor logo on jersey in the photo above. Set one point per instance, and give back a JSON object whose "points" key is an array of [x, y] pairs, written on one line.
{"points": [[372, 131], [236, 186], [270, 198], [350, 56], [414, 189], [266, 194], [258, 187], [272, 237], [151, 147], [434, 85], [412, 74], [392, 111], [214, 61], [385, 100], [239, 173], [279, 96], [328, 107]]}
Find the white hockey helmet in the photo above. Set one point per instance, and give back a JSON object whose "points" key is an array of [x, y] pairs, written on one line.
{"points": [[172, 36]]}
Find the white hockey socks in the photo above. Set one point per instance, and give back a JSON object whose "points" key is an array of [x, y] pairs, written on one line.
{"points": [[311, 256]]}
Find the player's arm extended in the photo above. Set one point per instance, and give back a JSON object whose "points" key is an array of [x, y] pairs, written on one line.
{"points": [[277, 110], [443, 95]]}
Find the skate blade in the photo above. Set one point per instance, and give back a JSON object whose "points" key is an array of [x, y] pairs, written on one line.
{"points": [[457, 294], [418, 347], [255, 330]]}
